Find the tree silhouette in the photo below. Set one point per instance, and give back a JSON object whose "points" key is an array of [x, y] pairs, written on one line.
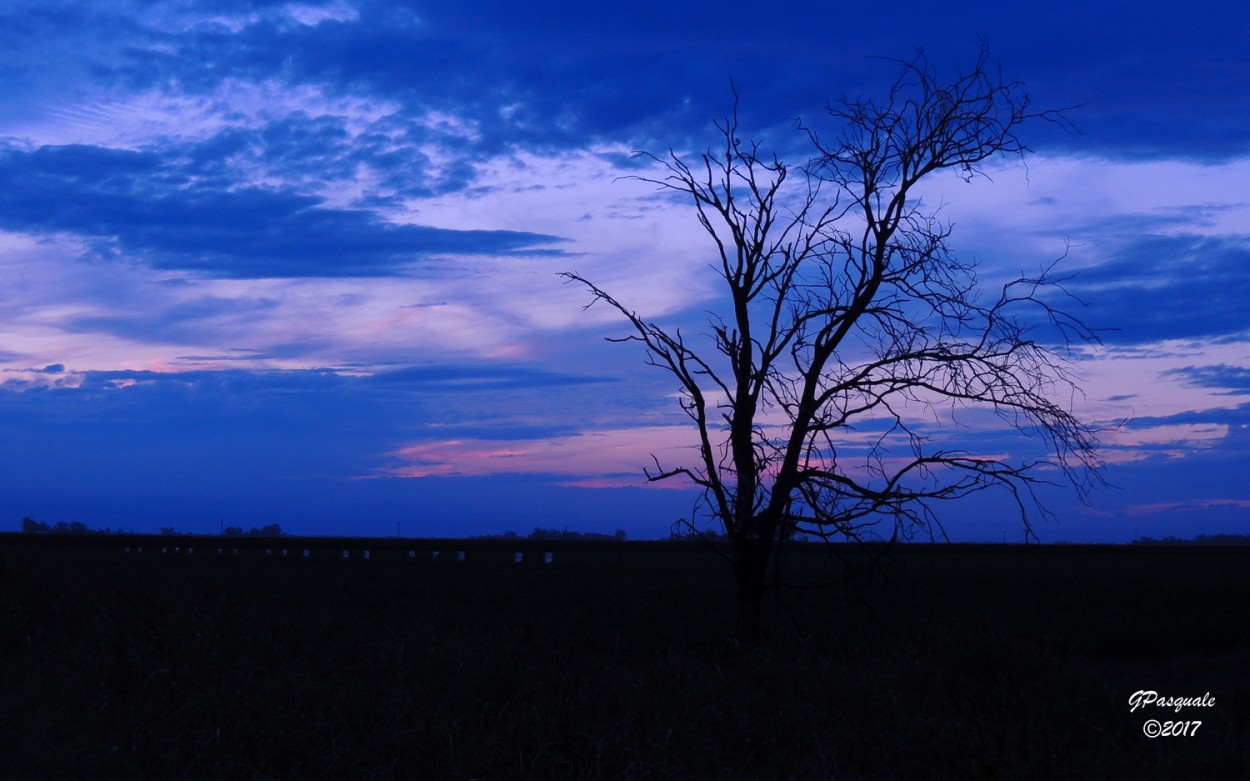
{"points": [[849, 330]]}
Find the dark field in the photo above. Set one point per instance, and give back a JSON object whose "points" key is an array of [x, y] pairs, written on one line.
{"points": [[940, 663]]}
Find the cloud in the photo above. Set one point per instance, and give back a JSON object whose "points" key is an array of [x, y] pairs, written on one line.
{"points": [[1189, 505], [261, 442], [201, 320], [56, 308], [1176, 440], [482, 377], [1231, 380], [558, 75], [85, 428], [135, 206], [1157, 287], [596, 454]]}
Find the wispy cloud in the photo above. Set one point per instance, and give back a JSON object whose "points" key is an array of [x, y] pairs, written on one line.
{"points": [[1189, 505], [1178, 440], [595, 455]]}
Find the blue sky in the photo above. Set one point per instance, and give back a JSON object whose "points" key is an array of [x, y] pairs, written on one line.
{"points": [[297, 263]]}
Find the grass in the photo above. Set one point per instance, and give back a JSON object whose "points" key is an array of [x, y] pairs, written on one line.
{"points": [[938, 665]]}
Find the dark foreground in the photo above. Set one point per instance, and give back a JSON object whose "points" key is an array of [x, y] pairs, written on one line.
{"points": [[939, 664]]}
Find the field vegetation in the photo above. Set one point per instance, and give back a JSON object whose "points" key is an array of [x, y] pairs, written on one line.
{"points": [[935, 662]]}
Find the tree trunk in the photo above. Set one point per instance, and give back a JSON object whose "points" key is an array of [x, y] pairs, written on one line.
{"points": [[750, 566]]}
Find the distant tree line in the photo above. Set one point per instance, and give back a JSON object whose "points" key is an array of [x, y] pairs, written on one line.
{"points": [[683, 530], [31, 526], [555, 534], [1201, 539], [269, 530]]}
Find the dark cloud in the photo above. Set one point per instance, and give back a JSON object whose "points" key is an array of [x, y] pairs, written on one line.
{"points": [[258, 436], [1233, 380], [309, 151], [1169, 287], [1134, 225], [256, 441], [1237, 418], [382, 408], [1164, 80], [139, 206]]}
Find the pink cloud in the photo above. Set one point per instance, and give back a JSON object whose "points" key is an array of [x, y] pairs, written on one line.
{"points": [[599, 456]]}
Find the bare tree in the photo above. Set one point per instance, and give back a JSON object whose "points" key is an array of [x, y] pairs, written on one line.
{"points": [[849, 328]]}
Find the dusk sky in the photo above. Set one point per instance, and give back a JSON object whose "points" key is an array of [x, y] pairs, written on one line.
{"points": [[298, 263]]}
